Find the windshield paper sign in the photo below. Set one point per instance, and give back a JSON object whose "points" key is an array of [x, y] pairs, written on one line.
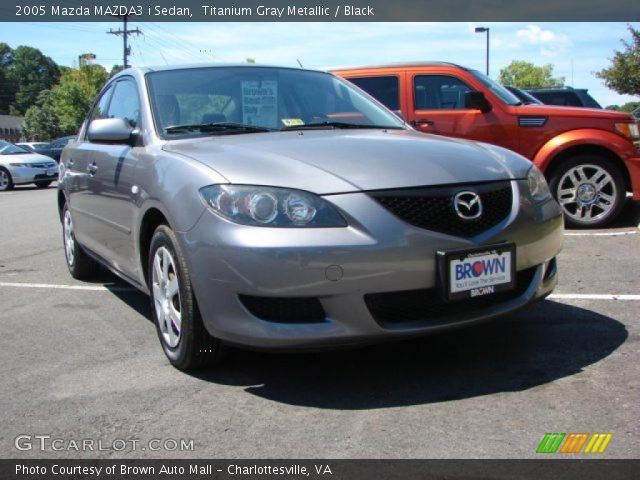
{"points": [[260, 102]]}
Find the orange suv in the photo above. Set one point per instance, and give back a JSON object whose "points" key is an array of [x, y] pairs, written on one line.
{"points": [[590, 157]]}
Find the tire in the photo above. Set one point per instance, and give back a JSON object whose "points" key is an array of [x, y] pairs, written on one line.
{"points": [[6, 182], [188, 346], [80, 265], [43, 184], [590, 190]]}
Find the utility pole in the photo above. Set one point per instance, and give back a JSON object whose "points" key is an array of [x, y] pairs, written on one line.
{"points": [[125, 35]]}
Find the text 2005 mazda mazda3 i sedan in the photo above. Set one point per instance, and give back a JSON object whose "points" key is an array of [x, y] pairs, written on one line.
{"points": [[284, 208]]}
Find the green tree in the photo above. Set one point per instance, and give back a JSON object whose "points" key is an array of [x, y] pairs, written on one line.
{"points": [[527, 75], [30, 72], [623, 75], [73, 96], [41, 121], [627, 107], [8, 86], [115, 69]]}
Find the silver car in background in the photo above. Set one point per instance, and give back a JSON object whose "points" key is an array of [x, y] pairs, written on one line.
{"points": [[21, 166], [285, 208]]}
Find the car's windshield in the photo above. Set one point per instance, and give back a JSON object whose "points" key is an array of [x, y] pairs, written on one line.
{"points": [[7, 148], [502, 93], [235, 98]]}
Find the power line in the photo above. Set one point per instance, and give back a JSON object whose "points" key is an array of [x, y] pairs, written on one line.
{"points": [[125, 36]]}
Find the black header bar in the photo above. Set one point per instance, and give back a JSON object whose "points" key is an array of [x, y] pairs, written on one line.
{"points": [[320, 10]]}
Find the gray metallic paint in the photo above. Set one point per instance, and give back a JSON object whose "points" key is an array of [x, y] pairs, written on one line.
{"points": [[377, 251]]}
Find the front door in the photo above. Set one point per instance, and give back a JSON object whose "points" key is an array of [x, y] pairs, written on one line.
{"points": [[111, 195], [439, 108]]}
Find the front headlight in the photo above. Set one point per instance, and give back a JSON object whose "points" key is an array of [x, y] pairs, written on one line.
{"points": [[271, 207], [538, 184]]}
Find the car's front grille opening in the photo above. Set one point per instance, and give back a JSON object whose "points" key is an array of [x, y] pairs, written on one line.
{"points": [[285, 310], [427, 305], [432, 208]]}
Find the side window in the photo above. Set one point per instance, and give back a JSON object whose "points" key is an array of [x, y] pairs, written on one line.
{"points": [[439, 92], [384, 89], [100, 109], [125, 102]]}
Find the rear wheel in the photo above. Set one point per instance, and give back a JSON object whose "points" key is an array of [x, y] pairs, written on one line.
{"points": [[43, 184], [184, 339], [80, 265], [6, 182], [590, 190]]}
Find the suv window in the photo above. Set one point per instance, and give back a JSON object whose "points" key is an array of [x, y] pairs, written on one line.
{"points": [[385, 89], [439, 92], [125, 102], [567, 98]]}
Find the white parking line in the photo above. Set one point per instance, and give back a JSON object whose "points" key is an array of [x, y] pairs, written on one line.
{"points": [[94, 288], [592, 296], [103, 288], [601, 234]]}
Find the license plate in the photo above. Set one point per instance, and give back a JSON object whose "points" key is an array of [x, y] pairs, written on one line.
{"points": [[479, 272], [51, 173]]}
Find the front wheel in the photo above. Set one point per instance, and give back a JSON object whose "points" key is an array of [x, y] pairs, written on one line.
{"points": [[590, 190], [184, 339]]}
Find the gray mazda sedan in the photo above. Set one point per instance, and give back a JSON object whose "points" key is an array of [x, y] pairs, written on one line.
{"points": [[285, 208]]}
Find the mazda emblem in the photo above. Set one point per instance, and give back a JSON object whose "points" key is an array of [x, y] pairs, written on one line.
{"points": [[468, 205]]}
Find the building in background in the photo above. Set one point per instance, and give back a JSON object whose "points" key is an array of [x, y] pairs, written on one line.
{"points": [[86, 59], [11, 128]]}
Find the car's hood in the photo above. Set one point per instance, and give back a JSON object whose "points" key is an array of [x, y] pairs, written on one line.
{"points": [[332, 161], [561, 111], [26, 158]]}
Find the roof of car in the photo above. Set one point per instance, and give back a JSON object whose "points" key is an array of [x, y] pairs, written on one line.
{"points": [[400, 65], [556, 89], [159, 68]]}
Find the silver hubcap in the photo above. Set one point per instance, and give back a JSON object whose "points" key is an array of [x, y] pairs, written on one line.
{"points": [[587, 193], [166, 296], [69, 242], [4, 180]]}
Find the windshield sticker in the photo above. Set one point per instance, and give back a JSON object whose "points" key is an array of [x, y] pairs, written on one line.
{"points": [[292, 122], [260, 102]]}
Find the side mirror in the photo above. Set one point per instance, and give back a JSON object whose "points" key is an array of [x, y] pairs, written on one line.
{"points": [[110, 130], [476, 101]]}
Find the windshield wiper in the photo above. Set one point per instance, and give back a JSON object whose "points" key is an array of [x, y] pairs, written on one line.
{"points": [[340, 125], [217, 127]]}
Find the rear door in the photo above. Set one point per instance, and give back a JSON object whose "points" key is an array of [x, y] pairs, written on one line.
{"points": [[438, 107]]}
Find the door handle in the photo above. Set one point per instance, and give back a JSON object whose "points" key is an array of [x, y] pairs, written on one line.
{"points": [[92, 168], [422, 121]]}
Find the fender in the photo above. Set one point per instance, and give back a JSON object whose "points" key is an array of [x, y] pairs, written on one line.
{"points": [[617, 144]]}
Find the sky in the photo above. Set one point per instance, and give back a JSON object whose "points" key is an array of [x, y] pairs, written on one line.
{"points": [[577, 50]]}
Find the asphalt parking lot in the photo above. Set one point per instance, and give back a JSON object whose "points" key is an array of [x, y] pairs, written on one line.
{"points": [[85, 363]]}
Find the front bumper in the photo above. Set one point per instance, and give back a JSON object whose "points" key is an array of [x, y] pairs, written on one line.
{"points": [[633, 165], [25, 175], [340, 267]]}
